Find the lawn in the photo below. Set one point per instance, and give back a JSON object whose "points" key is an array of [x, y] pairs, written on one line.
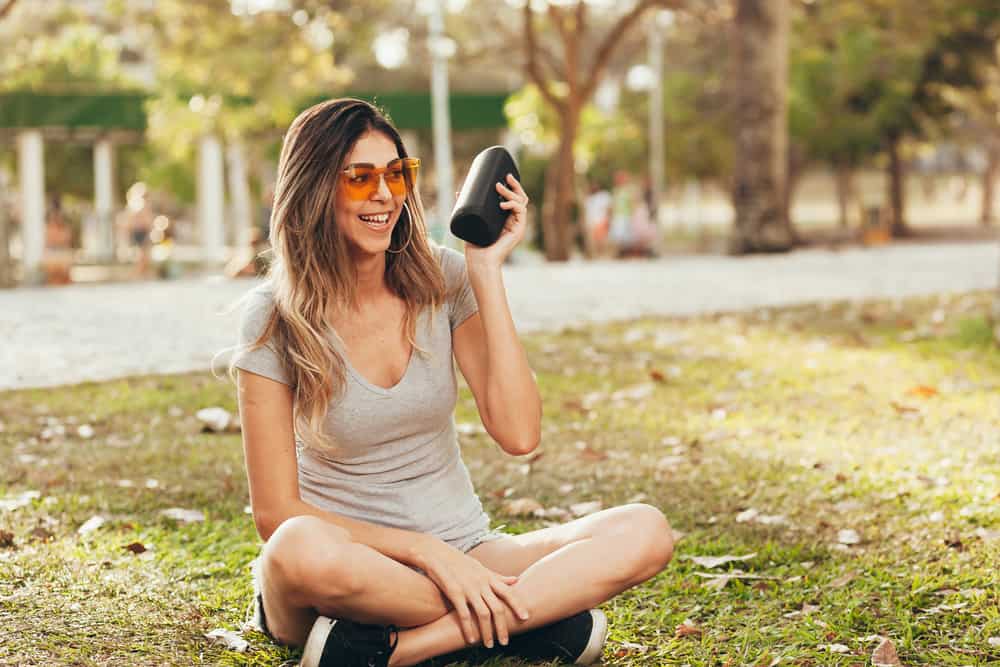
{"points": [[848, 454]]}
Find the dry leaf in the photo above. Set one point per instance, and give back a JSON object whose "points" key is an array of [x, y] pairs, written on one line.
{"points": [[923, 391], [842, 581], [885, 655], [628, 648], [230, 639], [40, 533], [521, 507], [994, 642], [583, 509], [183, 515], [903, 409], [592, 455], [135, 547], [85, 431], [687, 630], [24, 499], [91, 524], [835, 648], [716, 561], [747, 515], [218, 420], [657, 376], [848, 536], [6, 539]]}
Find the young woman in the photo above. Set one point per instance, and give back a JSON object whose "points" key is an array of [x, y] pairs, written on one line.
{"points": [[347, 389]]}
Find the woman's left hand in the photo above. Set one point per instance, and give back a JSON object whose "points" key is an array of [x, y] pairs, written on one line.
{"points": [[516, 201]]}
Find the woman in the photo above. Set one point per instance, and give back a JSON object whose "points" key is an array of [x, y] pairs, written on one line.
{"points": [[347, 391]]}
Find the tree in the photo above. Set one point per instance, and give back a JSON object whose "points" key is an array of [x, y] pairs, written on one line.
{"points": [[760, 108], [567, 85]]}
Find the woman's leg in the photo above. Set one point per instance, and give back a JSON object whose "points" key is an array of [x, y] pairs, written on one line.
{"points": [[562, 570], [310, 566]]}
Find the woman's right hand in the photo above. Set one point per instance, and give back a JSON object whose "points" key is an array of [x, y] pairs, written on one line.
{"points": [[480, 596]]}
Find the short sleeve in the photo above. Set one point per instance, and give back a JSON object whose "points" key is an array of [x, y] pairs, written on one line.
{"points": [[460, 297], [257, 308]]}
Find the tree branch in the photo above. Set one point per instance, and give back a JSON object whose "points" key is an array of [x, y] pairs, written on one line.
{"points": [[5, 9], [531, 63], [615, 35]]}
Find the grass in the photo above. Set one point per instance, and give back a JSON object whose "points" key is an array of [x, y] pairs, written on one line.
{"points": [[882, 418]]}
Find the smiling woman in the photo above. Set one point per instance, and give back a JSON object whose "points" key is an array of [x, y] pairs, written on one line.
{"points": [[378, 551]]}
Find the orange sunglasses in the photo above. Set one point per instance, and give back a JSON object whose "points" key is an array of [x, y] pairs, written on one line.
{"points": [[361, 179]]}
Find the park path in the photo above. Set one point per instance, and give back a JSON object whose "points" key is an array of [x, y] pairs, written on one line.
{"points": [[55, 336]]}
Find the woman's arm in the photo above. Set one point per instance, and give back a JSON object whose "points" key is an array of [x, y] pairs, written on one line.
{"points": [[487, 347]]}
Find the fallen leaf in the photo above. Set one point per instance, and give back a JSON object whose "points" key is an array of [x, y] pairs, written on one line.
{"points": [[835, 648], [592, 455], [843, 580], [583, 509], [885, 655], [923, 391], [217, 420], [229, 639], [628, 648], [41, 534], [11, 503], [85, 431], [994, 642], [657, 376], [903, 409], [183, 515], [521, 507], [848, 536], [6, 539], [135, 547], [716, 561], [687, 630], [747, 515], [91, 524]]}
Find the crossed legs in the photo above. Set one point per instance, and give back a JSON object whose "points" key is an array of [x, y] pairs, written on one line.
{"points": [[311, 567]]}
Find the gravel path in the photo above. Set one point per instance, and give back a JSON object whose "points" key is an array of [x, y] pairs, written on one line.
{"points": [[54, 336]]}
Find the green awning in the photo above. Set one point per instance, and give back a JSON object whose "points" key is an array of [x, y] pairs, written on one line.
{"points": [[100, 111], [124, 110]]}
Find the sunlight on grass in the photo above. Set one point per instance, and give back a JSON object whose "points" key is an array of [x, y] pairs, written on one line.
{"points": [[850, 450]]}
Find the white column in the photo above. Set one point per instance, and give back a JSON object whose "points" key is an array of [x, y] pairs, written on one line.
{"points": [[211, 200], [656, 145], [31, 168], [239, 189], [441, 47], [102, 241]]}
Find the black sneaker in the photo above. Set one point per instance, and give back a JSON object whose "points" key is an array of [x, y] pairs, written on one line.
{"points": [[333, 643], [578, 640]]}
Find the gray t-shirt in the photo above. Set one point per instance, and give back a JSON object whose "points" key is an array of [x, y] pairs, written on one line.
{"points": [[396, 459]]}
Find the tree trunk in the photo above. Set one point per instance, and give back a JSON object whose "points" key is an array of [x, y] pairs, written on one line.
{"points": [[6, 270], [986, 217], [843, 177], [897, 201], [559, 193], [759, 90]]}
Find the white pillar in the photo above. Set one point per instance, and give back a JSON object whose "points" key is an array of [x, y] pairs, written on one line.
{"points": [[211, 200], [441, 47], [239, 189], [102, 240], [31, 168]]}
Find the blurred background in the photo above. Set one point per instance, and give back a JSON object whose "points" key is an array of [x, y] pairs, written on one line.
{"points": [[139, 138]]}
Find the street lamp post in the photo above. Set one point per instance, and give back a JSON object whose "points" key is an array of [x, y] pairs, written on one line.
{"points": [[441, 47]]}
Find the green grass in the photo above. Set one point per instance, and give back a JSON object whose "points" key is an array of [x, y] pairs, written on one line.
{"points": [[881, 417]]}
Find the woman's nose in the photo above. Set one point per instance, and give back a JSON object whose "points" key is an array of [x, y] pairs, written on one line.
{"points": [[382, 193]]}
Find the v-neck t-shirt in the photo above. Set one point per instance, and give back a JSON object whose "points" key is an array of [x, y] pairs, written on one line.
{"points": [[395, 460]]}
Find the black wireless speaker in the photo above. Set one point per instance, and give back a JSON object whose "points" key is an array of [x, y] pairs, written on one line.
{"points": [[477, 217]]}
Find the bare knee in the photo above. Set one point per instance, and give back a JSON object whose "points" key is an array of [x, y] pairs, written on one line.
{"points": [[650, 540], [306, 555]]}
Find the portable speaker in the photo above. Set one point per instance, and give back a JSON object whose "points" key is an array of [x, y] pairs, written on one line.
{"points": [[477, 217]]}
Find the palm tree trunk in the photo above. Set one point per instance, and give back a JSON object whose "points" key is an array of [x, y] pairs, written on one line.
{"points": [[843, 177]]}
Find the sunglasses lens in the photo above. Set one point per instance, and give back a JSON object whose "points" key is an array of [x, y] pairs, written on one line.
{"points": [[361, 181]]}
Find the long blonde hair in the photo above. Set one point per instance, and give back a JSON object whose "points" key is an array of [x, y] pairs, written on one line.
{"points": [[312, 270]]}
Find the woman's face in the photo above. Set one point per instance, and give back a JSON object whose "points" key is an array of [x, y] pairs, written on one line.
{"points": [[368, 223]]}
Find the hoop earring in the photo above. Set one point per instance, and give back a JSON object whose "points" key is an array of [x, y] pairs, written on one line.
{"points": [[409, 224]]}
